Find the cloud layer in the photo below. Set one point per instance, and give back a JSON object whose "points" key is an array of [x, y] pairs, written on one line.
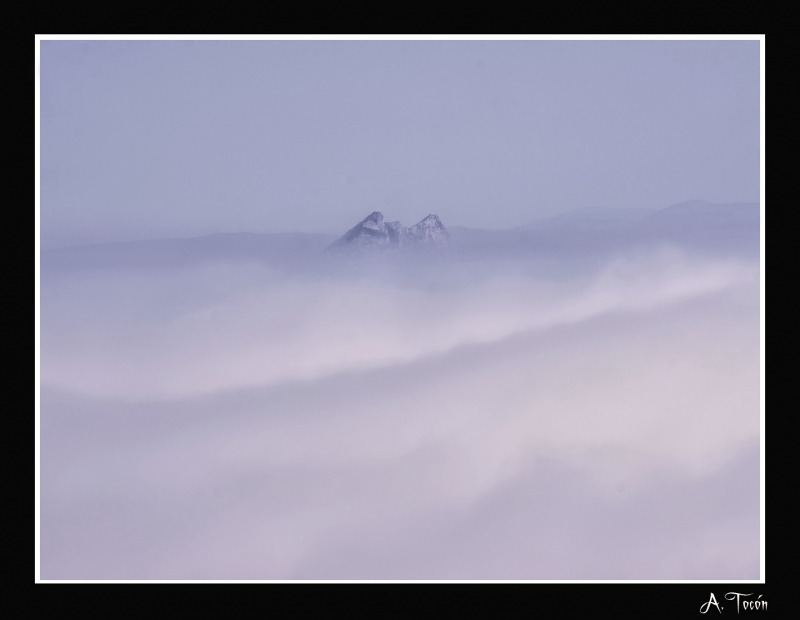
{"points": [[230, 422]]}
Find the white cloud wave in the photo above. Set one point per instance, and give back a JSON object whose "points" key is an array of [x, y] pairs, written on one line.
{"points": [[279, 330], [509, 428]]}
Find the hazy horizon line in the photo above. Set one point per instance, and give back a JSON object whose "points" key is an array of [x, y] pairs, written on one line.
{"points": [[56, 243]]}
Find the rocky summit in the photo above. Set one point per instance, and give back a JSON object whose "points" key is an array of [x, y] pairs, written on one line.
{"points": [[374, 233]]}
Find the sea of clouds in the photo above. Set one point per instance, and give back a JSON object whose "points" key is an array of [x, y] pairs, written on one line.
{"points": [[233, 420]]}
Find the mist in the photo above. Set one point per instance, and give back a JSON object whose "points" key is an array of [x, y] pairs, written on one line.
{"points": [[400, 309], [443, 416]]}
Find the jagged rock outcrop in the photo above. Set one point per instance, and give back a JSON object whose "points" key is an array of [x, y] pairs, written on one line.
{"points": [[373, 233], [429, 231]]}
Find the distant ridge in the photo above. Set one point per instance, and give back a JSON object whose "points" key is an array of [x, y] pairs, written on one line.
{"points": [[697, 226], [593, 233]]}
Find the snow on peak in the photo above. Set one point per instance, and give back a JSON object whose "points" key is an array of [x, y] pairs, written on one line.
{"points": [[431, 231], [374, 232]]}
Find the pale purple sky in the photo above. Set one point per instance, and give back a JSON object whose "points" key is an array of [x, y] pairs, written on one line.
{"points": [[174, 138]]}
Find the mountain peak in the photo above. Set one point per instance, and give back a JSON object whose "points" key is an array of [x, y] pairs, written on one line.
{"points": [[373, 220], [430, 230], [374, 233]]}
